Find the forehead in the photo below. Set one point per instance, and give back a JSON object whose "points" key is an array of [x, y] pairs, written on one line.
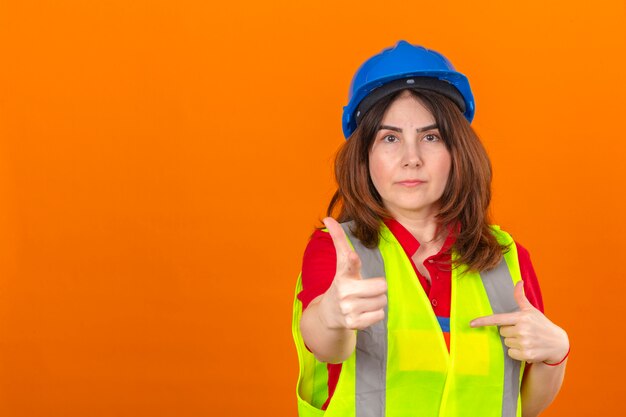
{"points": [[407, 110]]}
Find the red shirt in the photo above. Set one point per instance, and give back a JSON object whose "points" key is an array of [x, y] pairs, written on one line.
{"points": [[320, 261]]}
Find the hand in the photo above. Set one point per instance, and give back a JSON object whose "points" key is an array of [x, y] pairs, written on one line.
{"points": [[530, 336], [351, 302]]}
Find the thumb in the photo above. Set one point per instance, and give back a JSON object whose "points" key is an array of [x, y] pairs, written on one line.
{"points": [[520, 296]]}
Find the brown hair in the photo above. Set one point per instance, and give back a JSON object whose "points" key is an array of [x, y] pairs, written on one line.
{"points": [[466, 197]]}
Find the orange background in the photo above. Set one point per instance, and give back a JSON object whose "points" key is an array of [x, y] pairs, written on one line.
{"points": [[162, 164]]}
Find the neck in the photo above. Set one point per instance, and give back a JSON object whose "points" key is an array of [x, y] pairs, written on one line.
{"points": [[423, 226]]}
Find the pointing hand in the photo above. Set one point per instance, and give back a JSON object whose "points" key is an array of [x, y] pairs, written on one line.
{"points": [[351, 302], [530, 336]]}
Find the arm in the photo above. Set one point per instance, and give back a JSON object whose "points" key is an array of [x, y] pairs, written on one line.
{"points": [[329, 322], [540, 386], [541, 383], [533, 338]]}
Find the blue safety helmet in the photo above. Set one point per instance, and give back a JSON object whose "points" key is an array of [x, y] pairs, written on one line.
{"points": [[400, 67]]}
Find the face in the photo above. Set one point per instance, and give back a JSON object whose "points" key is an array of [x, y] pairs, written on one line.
{"points": [[409, 163]]}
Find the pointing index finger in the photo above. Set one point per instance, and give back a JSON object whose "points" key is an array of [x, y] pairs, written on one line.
{"points": [[338, 236], [348, 262], [504, 319]]}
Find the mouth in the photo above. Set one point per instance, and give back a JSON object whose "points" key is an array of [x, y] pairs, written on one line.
{"points": [[410, 183]]}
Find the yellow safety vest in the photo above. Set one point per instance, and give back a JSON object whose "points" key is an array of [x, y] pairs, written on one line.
{"points": [[401, 366]]}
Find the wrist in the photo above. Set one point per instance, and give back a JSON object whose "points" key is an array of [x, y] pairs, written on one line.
{"points": [[556, 363], [327, 315], [560, 354], [561, 348]]}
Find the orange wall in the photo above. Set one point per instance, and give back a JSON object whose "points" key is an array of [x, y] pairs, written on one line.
{"points": [[162, 164]]}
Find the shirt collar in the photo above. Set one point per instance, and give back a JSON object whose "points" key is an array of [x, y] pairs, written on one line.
{"points": [[411, 245]]}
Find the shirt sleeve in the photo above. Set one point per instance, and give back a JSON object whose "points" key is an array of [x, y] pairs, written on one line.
{"points": [[531, 284], [319, 265]]}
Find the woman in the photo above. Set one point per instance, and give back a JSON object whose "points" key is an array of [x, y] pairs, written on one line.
{"points": [[415, 304]]}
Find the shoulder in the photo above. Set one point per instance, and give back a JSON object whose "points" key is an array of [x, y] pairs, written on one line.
{"points": [[319, 249], [502, 236], [319, 264], [527, 271], [531, 283]]}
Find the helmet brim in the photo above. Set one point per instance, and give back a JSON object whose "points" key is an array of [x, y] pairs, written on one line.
{"points": [[426, 83]]}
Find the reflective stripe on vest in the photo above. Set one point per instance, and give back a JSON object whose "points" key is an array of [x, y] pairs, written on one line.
{"points": [[371, 343], [499, 286]]}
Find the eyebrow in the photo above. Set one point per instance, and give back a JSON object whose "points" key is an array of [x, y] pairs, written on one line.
{"points": [[419, 130]]}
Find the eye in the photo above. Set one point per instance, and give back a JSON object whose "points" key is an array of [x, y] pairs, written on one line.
{"points": [[390, 139], [431, 138]]}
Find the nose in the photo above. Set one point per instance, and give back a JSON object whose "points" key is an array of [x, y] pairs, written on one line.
{"points": [[412, 156]]}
